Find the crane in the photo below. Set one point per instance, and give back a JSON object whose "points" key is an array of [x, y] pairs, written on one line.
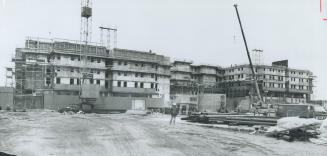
{"points": [[259, 103]]}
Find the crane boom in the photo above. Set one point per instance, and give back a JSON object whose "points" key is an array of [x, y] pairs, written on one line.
{"points": [[249, 57]]}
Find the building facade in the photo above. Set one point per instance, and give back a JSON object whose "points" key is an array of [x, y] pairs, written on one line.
{"points": [[190, 82], [277, 83], [61, 66], [56, 67]]}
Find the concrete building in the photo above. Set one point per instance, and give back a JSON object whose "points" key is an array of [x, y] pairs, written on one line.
{"points": [[190, 82], [51, 68], [56, 67], [277, 82]]}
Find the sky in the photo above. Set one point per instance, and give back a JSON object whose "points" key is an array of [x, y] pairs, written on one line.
{"points": [[205, 31]]}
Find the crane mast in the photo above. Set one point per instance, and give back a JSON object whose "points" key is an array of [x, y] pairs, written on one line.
{"points": [[249, 57]]}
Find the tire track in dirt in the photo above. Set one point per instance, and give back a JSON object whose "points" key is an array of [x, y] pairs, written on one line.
{"points": [[220, 144]]}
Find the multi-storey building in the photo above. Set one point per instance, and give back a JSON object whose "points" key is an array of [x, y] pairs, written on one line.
{"points": [[189, 82], [140, 74], [278, 83], [60, 65], [187, 78], [208, 76]]}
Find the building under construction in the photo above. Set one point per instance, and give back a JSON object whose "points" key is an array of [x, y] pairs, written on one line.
{"points": [[193, 86], [49, 75], [277, 83]]}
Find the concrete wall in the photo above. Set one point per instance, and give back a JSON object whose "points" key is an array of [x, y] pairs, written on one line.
{"points": [[208, 70], [6, 97], [56, 102], [65, 60], [28, 102], [125, 103], [211, 102], [180, 75], [184, 99], [182, 67], [241, 103]]}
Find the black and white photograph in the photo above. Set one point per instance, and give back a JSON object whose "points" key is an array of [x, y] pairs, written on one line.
{"points": [[163, 78]]}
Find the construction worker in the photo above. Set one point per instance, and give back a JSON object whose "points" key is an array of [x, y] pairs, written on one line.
{"points": [[173, 113]]}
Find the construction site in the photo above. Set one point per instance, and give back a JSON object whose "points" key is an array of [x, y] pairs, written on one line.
{"points": [[83, 97]]}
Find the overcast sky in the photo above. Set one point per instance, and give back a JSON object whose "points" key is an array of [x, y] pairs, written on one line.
{"points": [[205, 31]]}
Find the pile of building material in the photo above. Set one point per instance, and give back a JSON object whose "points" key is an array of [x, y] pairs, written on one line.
{"points": [[295, 128], [70, 110], [232, 119], [242, 120], [322, 138]]}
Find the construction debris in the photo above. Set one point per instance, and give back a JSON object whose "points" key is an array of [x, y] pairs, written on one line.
{"points": [[80, 112], [295, 128], [69, 110], [322, 138], [232, 119], [294, 122]]}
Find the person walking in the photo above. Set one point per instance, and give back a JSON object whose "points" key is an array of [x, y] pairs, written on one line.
{"points": [[173, 113]]}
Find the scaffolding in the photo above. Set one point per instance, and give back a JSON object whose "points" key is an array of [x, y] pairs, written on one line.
{"points": [[257, 56], [108, 31], [31, 79]]}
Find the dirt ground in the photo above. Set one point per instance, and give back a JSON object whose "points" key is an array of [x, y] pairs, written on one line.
{"points": [[42, 133]]}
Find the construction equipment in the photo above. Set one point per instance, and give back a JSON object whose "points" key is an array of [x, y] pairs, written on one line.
{"points": [[108, 29], [88, 91], [258, 104]]}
